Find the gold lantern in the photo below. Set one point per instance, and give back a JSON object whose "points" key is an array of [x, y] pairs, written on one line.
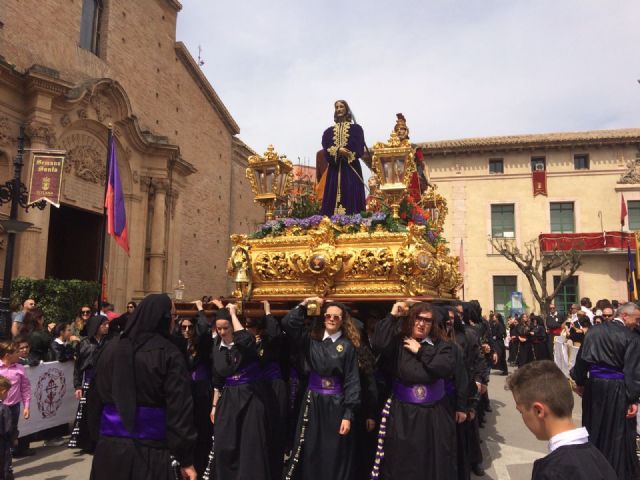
{"points": [[393, 163], [271, 178]]}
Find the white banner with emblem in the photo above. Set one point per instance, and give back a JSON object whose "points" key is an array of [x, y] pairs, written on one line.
{"points": [[52, 397]]}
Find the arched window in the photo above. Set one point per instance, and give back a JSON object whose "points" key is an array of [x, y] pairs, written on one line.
{"points": [[90, 25]]}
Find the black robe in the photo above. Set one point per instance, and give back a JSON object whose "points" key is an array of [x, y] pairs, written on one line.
{"points": [[420, 439], [540, 344], [323, 453], [162, 380], [525, 349], [459, 402], [605, 402], [575, 462], [242, 430]]}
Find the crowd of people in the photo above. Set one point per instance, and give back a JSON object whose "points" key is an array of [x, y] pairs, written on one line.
{"points": [[325, 391]]}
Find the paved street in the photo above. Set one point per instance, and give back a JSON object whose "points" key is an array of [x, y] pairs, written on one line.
{"points": [[509, 448]]}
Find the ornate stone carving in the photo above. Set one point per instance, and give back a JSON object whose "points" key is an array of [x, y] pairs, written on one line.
{"points": [[632, 174], [6, 136], [102, 107], [160, 185], [41, 132], [86, 158], [82, 114], [65, 120]]}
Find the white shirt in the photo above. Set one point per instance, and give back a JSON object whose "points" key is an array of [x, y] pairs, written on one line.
{"points": [[427, 340], [222, 344], [333, 337], [577, 436], [588, 313]]}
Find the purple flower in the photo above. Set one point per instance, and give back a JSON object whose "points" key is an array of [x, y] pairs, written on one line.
{"points": [[378, 216], [290, 222]]}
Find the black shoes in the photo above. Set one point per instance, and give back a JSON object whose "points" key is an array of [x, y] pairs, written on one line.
{"points": [[477, 470]]}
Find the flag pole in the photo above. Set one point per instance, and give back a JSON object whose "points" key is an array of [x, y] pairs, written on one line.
{"points": [[103, 233]]}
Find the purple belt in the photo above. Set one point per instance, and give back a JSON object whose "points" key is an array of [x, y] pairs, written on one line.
{"points": [[606, 372], [151, 423], [325, 385], [201, 372], [418, 393], [450, 387], [248, 374], [271, 371]]}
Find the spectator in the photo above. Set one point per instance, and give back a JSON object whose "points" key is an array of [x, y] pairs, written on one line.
{"points": [[131, 307], [18, 317], [107, 311], [607, 314], [39, 338], [545, 401], [20, 391], [6, 427], [61, 348], [79, 325], [24, 352]]}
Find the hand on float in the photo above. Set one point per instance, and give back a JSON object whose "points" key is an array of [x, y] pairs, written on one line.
{"points": [[317, 300], [189, 473], [217, 303], [78, 393], [345, 426], [198, 304], [233, 309], [267, 307], [411, 344], [632, 411], [461, 417], [398, 309], [371, 424]]}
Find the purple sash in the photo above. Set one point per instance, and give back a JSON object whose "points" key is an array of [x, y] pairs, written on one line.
{"points": [[87, 375], [418, 393], [605, 372], [271, 371], [151, 423], [450, 387], [201, 372], [248, 374], [325, 385]]}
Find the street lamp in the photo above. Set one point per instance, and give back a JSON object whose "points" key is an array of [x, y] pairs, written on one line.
{"points": [[13, 191]]}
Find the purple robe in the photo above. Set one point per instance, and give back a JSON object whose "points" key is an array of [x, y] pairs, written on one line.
{"points": [[347, 169]]}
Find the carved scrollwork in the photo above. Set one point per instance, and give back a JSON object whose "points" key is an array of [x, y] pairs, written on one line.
{"points": [[41, 132], [374, 262], [102, 107], [6, 136], [632, 174], [275, 266]]}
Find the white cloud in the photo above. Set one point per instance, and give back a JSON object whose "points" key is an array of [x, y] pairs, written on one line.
{"points": [[455, 69]]}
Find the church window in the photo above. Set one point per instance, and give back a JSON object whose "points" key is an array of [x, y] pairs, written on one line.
{"points": [[562, 217], [90, 25]]}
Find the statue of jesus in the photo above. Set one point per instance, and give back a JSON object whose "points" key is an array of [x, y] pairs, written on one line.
{"points": [[343, 145]]}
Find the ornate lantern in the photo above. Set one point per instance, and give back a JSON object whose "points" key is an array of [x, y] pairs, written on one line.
{"points": [[271, 178], [393, 164]]}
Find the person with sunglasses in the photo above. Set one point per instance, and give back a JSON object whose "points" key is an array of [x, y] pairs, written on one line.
{"points": [[78, 331], [332, 395], [195, 342], [417, 431]]}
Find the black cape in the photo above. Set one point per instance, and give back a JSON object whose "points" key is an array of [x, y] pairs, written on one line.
{"points": [[575, 462]]}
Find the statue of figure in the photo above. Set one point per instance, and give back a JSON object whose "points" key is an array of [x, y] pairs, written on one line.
{"points": [[419, 180], [374, 199], [343, 146]]}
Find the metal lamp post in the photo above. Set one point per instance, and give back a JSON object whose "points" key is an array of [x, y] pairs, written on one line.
{"points": [[271, 178], [13, 191]]}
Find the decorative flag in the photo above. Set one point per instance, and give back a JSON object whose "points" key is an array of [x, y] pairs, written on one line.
{"points": [[631, 279], [623, 209], [114, 202], [539, 178]]}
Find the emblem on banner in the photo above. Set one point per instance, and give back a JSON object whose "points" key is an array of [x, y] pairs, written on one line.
{"points": [[46, 177], [50, 391]]}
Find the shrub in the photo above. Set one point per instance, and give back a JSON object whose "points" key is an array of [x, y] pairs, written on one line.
{"points": [[60, 300]]}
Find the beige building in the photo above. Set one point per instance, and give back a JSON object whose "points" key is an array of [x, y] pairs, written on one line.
{"points": [[489, 186], [68, 69]]}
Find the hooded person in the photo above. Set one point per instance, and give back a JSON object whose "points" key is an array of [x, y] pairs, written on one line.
{"points": [[141, 406], [87, 353]]}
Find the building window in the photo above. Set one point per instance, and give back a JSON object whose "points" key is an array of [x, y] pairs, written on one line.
{"points": [[502, 221], [567, 295], [562, 218], [581, 161], [633, 210], [90, 25], [503, 286], [496, 165], [538, 163]]}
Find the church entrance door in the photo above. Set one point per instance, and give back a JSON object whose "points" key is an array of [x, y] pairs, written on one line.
{"points": [[74, 239]]}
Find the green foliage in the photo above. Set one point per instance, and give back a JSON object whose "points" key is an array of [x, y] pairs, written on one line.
{"points": [[60, 300], [305, 205]]}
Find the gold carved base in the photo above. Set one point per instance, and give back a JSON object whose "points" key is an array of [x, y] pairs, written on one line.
{"points": [[359, 265]]}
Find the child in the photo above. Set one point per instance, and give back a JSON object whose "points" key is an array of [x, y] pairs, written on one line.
{"points": [[544, 399], [24, 352], [6, 428], [20, 390]]}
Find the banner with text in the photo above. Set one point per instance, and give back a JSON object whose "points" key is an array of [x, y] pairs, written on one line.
{"points": [[52, 397], [46, 178]]}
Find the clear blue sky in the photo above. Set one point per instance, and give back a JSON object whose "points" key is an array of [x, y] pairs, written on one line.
{"points": [[455, 68]]}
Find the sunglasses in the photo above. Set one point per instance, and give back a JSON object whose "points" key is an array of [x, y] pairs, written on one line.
{"points": [[607, 316], [424, 319], [130, 306], [329, 316], [86, 312], [187, 327]]}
